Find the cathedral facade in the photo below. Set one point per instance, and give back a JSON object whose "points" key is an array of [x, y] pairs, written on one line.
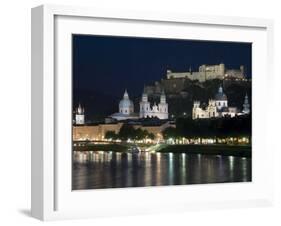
{"points": [[156, 110], [126, 108], [218, 107]]}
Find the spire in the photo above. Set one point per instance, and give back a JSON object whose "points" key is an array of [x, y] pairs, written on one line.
{"points": [[220, 89], [246, 99], [144, 95], [246, 105], [163, 97], [126, 96], [79, 109], [144, 89]]}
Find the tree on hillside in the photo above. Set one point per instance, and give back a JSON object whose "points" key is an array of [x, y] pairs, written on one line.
{"points": [[170, 132], [127, 132], [151, 136], [111, 135]]}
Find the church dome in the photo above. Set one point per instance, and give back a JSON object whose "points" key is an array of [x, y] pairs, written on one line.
{"points": [[220, 95], [126, 103]]}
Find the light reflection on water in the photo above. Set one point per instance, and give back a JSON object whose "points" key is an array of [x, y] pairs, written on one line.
{"points": [[105, 169]]}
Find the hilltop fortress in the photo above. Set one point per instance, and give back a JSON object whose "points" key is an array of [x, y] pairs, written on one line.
{"points": [[175, 82], [208, 72]]}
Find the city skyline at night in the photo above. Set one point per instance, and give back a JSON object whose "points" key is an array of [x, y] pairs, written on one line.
{"points": [[134, 62]]}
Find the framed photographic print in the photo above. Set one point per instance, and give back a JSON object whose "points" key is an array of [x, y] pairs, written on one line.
{"points": [[137, 112]]}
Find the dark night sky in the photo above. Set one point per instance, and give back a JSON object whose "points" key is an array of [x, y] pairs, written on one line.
{"points": [[108, 65]]}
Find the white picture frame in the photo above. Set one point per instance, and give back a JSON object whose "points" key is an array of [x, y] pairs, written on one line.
{"points": [[52, 197]]}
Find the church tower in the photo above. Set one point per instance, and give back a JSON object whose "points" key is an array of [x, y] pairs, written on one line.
{"points": [[79, 116], [144, 105], [246, 105], [163, 98], [163, 107], [212, 109], [195, 109]]}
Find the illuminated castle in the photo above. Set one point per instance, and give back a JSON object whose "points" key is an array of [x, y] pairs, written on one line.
{"points": [[209, 72]]}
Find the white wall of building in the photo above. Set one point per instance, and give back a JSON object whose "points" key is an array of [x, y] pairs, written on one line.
{"points": [[79, 119]]}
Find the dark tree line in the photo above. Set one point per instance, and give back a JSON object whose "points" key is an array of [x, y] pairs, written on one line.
{"points": [[207, 128], [129, 132]]}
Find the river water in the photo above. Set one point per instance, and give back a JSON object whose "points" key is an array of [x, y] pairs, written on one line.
{"points": [[95, 170]]}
